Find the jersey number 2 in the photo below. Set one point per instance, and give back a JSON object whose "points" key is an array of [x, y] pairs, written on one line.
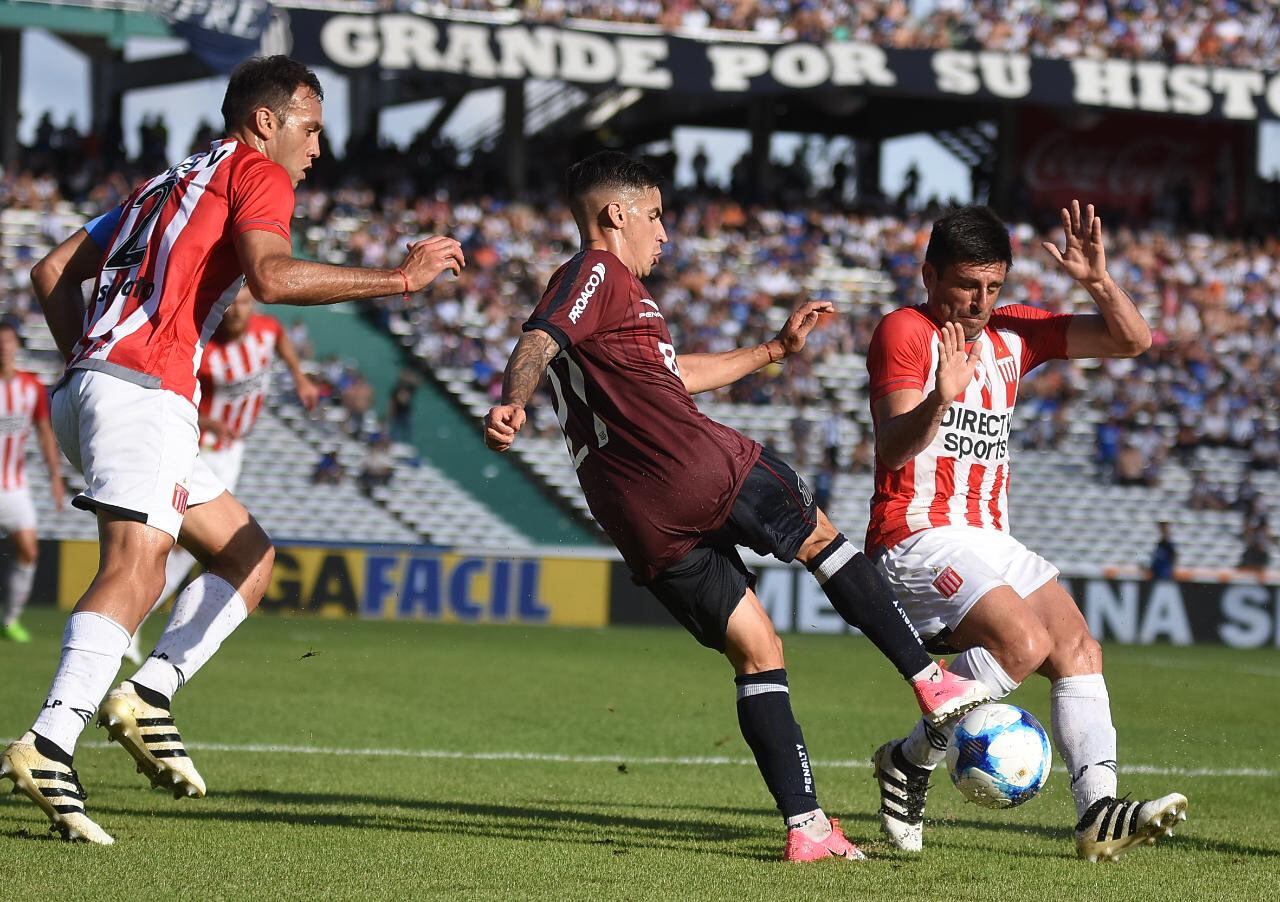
{"points": [[133, 249]]}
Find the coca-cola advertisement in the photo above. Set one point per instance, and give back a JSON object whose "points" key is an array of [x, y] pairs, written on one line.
{"points": [[1148, 167]]}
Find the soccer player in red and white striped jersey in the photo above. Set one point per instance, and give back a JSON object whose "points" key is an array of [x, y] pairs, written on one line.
{"points": [[125, 415], [944, 381], [24, 407]]}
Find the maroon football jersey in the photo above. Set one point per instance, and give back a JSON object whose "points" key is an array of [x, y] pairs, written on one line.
{"points": [[657, 473]]}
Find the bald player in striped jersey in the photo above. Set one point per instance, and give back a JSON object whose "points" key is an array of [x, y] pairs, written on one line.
{"points": [[944, 381], [24, 407]]}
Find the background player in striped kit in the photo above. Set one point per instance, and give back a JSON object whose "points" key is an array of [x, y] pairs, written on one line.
{"points": [[24, 405], [234, 374], [944, 380]]}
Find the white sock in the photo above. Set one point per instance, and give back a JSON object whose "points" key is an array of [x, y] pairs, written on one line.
{"points": [[927, 744], [21, 576], [92, 646], [1081, 711], [813, 824], [205, 614]]}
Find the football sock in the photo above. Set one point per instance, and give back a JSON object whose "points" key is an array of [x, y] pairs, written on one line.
{"points": [[927, 744], [21, 576], [92, 646], [204, 615], [764, 714], [1086, 739], [813, 824], [861, 594]]}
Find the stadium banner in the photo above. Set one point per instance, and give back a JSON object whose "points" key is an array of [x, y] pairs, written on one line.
{"points": [[220, 32], [1127, 611], [406, 583], [505, 49], [1150, 167]]}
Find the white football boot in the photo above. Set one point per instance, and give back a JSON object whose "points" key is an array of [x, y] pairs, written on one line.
{"points": [[148, 734], [53, 786], [1112, 827], [903, 788]]}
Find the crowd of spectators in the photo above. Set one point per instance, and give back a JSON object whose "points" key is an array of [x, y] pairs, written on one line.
{"points": [[1242, 33], [731, 270]]}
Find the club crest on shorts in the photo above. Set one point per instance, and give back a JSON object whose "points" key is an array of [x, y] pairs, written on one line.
{"points": [[948, 582], [179, 498]]}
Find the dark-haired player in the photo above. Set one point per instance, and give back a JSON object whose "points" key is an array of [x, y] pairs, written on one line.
{"points": [[125, 416], [676, 491], [944, 379]]}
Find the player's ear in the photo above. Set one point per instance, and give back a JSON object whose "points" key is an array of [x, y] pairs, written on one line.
{"points": [[612, 216], [929, 276]]}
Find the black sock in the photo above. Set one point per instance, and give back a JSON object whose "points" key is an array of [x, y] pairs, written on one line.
{"points": [[862, 596], [764, 714], [51, 749], [151, 696]]}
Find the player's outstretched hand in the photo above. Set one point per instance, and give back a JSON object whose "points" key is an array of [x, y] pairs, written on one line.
{"points": [[955, 367], [308, 394], [1085, 259], [430, 257], [801, 323], [501, 425]]}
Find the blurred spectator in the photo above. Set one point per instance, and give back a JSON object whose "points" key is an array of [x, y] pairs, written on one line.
{"points": [[379, 464], [400, 406], [831, 441], [1165, 556], [863, 458], [801, 428], [1257, 551], [1265, 453], [1131, 466], [328, 470], [357, 401], [1205, 496]]}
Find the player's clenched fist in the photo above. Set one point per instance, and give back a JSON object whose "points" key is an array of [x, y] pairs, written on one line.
{"points": [[430, 257], [501, 425]]}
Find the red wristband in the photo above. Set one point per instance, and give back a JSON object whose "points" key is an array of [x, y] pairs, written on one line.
{"points": [[406, 282]]}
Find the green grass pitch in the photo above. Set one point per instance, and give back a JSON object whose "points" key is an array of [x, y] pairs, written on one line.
{"points": [[590, 805]]}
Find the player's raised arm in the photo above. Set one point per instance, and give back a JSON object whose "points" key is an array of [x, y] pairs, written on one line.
{"points": [[58, 280], [1118, 329], [524, 371], [276, 277], [705, 372]]}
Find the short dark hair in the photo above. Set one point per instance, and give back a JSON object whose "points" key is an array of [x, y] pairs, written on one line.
{"points": [[969, 234], [265, 81], [611, 170], [11, 323]]}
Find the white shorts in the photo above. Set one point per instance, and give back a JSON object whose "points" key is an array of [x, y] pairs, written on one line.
{"points": [[940, 573], [17, 511], [224, 464], [136, 448]]}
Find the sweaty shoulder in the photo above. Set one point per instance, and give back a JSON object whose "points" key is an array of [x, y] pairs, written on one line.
{"points": [[1043, 334], [901, 351]]}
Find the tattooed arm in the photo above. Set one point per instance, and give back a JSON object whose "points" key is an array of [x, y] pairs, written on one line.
{"points": [[524, 371]]}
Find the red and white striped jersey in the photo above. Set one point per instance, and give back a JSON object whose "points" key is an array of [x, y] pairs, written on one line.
{"points": [[234, 377], [161, 291], [962, 478], [23, 403]]}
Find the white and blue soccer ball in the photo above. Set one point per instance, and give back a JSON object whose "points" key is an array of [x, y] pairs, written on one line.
{"points": [[999, 756]]}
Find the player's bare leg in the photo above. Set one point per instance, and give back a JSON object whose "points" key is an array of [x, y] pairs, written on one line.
{"points": [[1086, 739], [238, 557], [22, 574], [1002, 642], [862, 596], [764, 715], [130, 573], [176, 569]]}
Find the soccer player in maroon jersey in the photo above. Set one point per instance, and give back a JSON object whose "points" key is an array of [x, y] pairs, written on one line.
{"points": [[125, 415], [676, 491]]}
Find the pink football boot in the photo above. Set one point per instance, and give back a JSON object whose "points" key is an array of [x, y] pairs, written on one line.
{"points": [[800, 847], [944, 695]]}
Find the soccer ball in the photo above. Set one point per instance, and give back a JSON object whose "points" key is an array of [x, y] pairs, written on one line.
{"points": [[999, 756]]}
